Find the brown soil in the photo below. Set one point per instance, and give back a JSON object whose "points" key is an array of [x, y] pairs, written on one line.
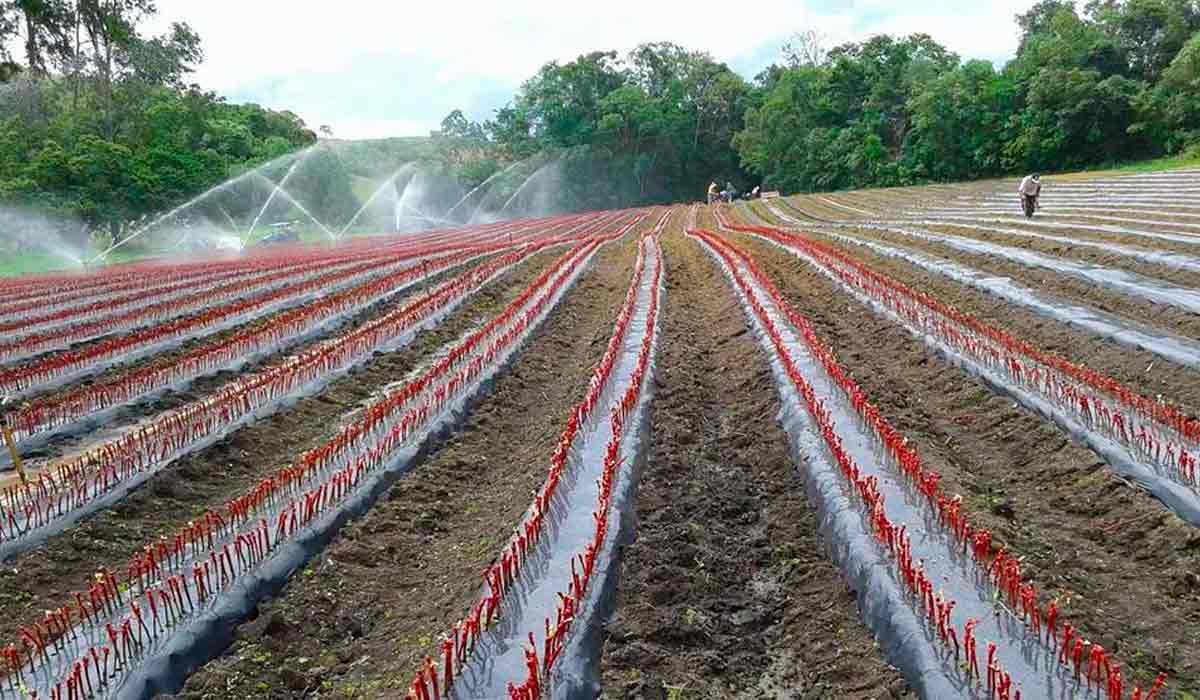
{"points": [[1144, 371], [357, 621], [44, 577], [813, 207], [727, 592], [1121, 564]]}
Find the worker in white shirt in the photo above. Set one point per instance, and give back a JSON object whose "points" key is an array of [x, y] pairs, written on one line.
{"points": [[1030, 190]]}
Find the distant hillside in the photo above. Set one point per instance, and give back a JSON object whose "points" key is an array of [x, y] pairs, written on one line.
{"points": [[378, 158]]}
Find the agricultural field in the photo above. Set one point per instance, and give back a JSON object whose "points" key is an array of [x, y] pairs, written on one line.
{"points": [[874, 444]]}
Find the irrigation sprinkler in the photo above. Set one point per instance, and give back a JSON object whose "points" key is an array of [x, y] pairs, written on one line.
{"points": [[5, 408]]}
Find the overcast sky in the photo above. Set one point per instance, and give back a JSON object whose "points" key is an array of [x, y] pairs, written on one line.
{"points": [[394, 68]]}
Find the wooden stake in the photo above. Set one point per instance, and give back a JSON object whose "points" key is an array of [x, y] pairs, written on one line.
{"points": [[11, 443]]}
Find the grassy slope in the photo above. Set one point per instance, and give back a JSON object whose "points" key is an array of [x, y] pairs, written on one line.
{"points": [[31, 263], [363, 187], [1191, 160]]}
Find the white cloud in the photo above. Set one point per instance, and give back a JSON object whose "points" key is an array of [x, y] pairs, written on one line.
{"points": [[367, 67], [352, 128]]}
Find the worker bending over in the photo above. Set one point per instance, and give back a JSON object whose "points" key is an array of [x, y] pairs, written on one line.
{"points": [[1030, 190]]}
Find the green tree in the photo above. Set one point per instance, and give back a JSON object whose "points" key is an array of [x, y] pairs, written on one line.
{"points": [[1075, 117], [960, 124], [125, 66], [46, 26], [1149, 33], [100, 173], [124, 138], [779, 134], [561, 102], [651, 127], [323, 187], [1038, 19], [1171, 112]]}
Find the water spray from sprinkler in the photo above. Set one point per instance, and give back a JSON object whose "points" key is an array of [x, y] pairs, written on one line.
{"points": [[292, 200], [540, 172], [277, 189], [388, 183], [256, 172], [29, 230], [480, 186]]}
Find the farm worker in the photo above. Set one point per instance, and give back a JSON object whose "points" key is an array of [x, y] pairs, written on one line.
{"points": [[712, 191], [754, 192], [1030, 190]]}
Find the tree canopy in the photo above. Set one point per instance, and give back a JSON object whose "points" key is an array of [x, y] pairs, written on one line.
{"points": [[1111, 81], [655, 125], [1115, 82], [97, 120]]}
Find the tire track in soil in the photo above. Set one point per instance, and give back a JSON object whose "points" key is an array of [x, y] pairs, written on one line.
{"points": [[357, 621], [727, 591], [1122, 566], [1141, 370], [44, 577]]}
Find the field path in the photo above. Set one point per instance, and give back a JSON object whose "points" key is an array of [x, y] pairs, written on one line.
{"points": [[728, 592]]}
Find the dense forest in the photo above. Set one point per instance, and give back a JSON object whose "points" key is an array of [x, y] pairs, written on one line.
{"points": [[1119, 82], [1112, 81], [99, 121]]}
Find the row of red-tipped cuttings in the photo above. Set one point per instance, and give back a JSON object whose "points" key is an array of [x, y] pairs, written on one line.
{"points": [[33, 292], [82, 321], [1002, 568], [1152, 428], [556, 632], [77, 481], [83, 478], [436, 679], [230, 303], [62, 408], [165, 319], [45, 317], [170, 580], [200, 291], [33, 296]]}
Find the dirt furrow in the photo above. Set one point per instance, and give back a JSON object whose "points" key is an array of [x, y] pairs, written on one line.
{"points": [[202, 387], [1121, 565], [728, 592], [45, 576], [355, 623], [1142, 370]]}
